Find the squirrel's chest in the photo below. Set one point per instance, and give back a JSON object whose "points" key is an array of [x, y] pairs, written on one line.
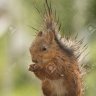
{"points": [[58, 87]]}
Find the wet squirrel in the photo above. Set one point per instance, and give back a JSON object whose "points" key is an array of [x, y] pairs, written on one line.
{"points": [[56, 59]]}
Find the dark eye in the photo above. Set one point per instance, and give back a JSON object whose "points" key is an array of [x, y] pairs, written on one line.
{"points": [[44, 48]]}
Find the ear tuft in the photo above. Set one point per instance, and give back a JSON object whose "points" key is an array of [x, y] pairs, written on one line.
{"points": [[51, 36]]}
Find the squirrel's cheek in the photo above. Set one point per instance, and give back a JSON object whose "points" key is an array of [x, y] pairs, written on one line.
{"points": [[49, 55]]}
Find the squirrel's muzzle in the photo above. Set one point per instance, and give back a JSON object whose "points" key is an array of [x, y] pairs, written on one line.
{"points": [[34, 60]]}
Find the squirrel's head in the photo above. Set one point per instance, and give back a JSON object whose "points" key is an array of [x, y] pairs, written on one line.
{"points": [[46, 44], [48, 41], [44, 47]]}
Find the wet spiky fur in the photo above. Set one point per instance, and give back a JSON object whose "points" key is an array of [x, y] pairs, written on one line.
{"points": [[73, 53], [71, 45]]}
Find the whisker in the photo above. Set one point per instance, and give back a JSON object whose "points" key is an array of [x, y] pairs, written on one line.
{"points": [[33, 28], [38, 11]]}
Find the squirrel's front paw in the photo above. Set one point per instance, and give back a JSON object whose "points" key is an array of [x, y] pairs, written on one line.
{"points": [[34, 67]]}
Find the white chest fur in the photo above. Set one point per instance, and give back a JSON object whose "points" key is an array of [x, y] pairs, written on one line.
{"points": [[58, 87]]}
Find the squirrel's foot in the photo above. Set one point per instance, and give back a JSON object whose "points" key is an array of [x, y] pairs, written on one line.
{"points": [[34, 67]]}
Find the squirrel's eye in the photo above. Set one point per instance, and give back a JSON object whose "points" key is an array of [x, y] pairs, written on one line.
{"points": [[44, 48]]}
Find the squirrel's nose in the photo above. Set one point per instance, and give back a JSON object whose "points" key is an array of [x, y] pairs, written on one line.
{"points": [[34, 60]]}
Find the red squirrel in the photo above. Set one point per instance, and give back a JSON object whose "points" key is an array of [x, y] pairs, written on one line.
{"points": [[55, 59]]}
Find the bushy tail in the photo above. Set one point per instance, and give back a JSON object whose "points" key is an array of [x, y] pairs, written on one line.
{"points": [[72, 44]]}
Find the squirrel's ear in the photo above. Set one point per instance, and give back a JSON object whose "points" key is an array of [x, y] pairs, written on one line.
{"points": [[50, 36]]}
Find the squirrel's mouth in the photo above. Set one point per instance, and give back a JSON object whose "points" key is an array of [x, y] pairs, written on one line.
{"points": [[34, 61]]}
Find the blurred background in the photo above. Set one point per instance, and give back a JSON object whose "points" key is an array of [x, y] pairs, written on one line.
{"points": [[16, 35]]}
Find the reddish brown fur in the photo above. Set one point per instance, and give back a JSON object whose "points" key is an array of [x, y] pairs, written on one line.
{"points": [[55, 64]]}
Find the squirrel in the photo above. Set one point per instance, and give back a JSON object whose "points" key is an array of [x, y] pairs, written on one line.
{"points": [[56, 59]]}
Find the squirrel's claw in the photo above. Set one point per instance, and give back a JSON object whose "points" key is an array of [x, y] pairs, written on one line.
{"points": [[33, 67]]}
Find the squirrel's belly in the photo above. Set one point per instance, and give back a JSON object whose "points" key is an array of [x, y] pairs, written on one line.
{"points": [[58, 87]]}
